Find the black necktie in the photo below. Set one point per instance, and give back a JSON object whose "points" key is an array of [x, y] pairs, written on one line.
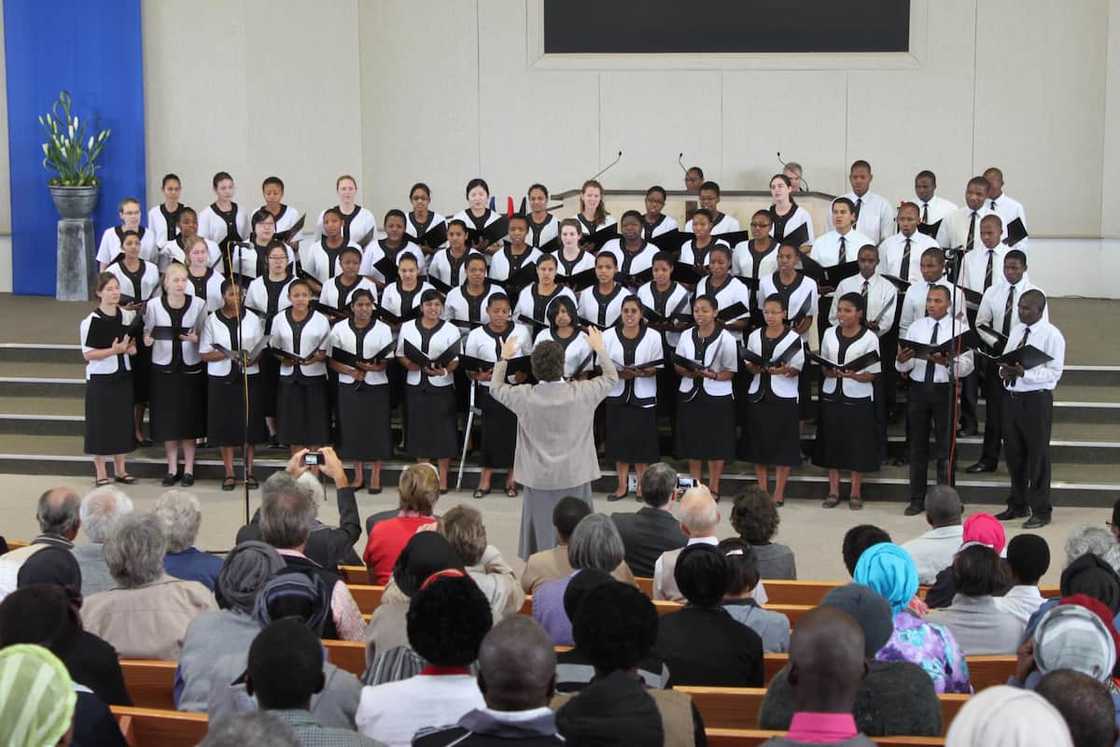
{"points": [[1022, 344], [863, 292], [929, 285], [925, 213], [971, 233], [859, 204], [993, 204], [988, 270], [843, 256], [1007, 309], [904, 269], [930, 366]]}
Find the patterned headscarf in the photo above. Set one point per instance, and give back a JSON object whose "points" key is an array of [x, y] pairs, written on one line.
{"points": [[294, 586], [889, 570], [37, 697]]}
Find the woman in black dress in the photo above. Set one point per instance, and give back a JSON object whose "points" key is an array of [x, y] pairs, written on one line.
{"points": [[268, 296], [300, 337]]}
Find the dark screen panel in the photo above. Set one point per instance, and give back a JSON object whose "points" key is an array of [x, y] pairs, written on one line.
{"points": [[653, 26]]}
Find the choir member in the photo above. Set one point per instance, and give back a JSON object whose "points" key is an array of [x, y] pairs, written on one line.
{"points": [[139, 281], [250, 260], [709, 200], [705, 409], [163, 219], [320, 260], [233, 330], [477, 214], [874, 216], [112, 239], [395, 245], [601, 304], [933, 208], [655, 222], [515, 254], [801, 295], [108, 402], [358, 223], [757, 256], [534, 301], [930, 391], [542, 224], [631, 406], [572, 257], [447, 266], [786, 216], [901, 253], [726, 289], [204, 281], [847, 432], [301, 402], [468, 303], [172, 324], [772, 398], [284, 216], [914, 303], [695, 251], [693, 178], [632, 253], [665, 296], [175, 250], [340, 289], [592, 215], [420, 219], [222, 221], [267, 296], [499, 424], [1006, 207], [1028, 411], [839, 245], [363, 405], [960, 229], [401, 297], [563, 327], [980, 268], [793, 172], [431, 427]]}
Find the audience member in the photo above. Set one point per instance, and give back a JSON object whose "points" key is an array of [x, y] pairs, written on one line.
{"points": [[701, 643], [595, 544], [979, 529], [57, 515], [287, 518], [616, 626], [889, 570], [419, 491], [447, 619], [772, 627], [1085, 704], [857, 540], [933, 551], [147, 615], [1114, 525], [1028, 558], [285, 670], [896, 698], [181, 514], [755, 517], [652, 529], [979, 625], [243, 729], [37, 698], [1088, 575], [1092, 540], [217, 642], [517, 697], [465, 532], [1075, 635], [547, 565], [699, 517], [99, 509], [1008, 717]]}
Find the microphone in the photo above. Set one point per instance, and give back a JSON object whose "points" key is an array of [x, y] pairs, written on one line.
{"points": [[608, 166], [680, 162]]}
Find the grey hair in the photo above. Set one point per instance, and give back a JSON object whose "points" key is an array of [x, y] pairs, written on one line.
{"points": [[58, 511], [181, 514], [251, 727], [1086, 540], [548, 361], [699, 515], [288, 511], [658, 483], [596, 543], [134, 550], [311, 484], [100, 508], [795, 167]]}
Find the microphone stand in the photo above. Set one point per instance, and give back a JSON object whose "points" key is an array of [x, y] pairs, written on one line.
{"points": [[606, 168], [804, 182], [244, 361], [957, 254], [680, 162]]}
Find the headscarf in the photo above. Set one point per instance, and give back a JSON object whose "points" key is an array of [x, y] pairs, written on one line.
{"points": [[1091, 575], [889, 570], [1008, 717], [55, 566], [985, 529], [37, 697], [1070, 636], [297, 586], [426, 553], [868, 608], [246, 569], [612, 710]]}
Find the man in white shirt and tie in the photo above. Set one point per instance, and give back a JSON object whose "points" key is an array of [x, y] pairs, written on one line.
{"points": [[901, 253], [930, 392], [709, 200], [914, 302], [931, 207], [1027, 413], [874, 213], [1007, 208], [840, 245], [961, 228]]}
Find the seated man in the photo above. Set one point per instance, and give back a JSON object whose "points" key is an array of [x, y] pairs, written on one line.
{"points": [[1028, 556], [255, 727], [933, 551], [57, 515], [1085, 704], [652, 529], [699, 520], [548, 565], [100, 508], [739, 601]]}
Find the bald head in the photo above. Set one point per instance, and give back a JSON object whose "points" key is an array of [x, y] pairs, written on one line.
{"points": [[699, 516], [529, 682], [58, 512], [826, 661]]}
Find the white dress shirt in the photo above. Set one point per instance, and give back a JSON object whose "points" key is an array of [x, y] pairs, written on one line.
{"points": [[933, 552], [994, 304], [876, 215], [934, 210], [881, 297], [826, 249], [954, 227], [1046, 337], [914, 303], [1008, 209], [892, 249], [664, 583], [921, 331], [974, 266], [1021, 602]]}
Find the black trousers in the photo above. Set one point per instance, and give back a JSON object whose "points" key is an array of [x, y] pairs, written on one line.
{"points": [[929, 406], [888, 351], [881, 415], [1027, 418], [994, 394]]}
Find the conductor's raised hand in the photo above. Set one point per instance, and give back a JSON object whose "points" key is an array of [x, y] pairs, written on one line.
{"points": [[510, 348], [595, 339]]}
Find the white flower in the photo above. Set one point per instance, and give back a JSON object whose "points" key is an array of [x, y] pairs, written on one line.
{"points": [[46, 150]]}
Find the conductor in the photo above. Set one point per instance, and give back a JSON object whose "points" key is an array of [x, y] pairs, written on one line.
{"points": [[555, 454]]}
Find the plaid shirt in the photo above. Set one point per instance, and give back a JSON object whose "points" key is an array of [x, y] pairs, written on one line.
{"points": [[313, 734]]}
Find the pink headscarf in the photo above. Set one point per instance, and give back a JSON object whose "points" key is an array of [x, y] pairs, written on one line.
{"points": [[986, 530]]}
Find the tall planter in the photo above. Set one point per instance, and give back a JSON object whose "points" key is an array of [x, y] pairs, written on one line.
{"points": [[76, 248]]}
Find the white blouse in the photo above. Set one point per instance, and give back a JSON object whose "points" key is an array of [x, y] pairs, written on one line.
{"points": [[485, 344], [391, 297], [720, 355], [110, 364], [330, 295], [440, 339], [214, 227], [503, 260], [355, 226], [804, 288], [163, 228], [460, 307], [377, 335], [733, 291], [158, 314], [221, 331], [247, 260], [110, 245], [317, 263], [172, 251], [602, 311], [434, 221], [780, 386], [578, 356], [212, 289], [312, 337], [256, 299], [377, 250], [862, 345], [640, 391], [449, 270], [678, 301], [527, 304], [139, 287]]}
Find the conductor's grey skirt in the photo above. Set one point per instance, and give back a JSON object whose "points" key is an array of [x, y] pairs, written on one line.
{"points": [[537, 531]]}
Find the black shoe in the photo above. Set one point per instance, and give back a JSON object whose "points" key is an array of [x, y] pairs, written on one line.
{"points": [[616, 497], [1036, 522], [188, 480], [980, 467], [966, 432], [169, 480], [147, 442], [1013, 513], [900, 461], [914, 508]]}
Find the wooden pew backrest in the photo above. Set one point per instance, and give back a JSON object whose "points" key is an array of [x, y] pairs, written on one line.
{"points": [[150, 682], [150, 727]]}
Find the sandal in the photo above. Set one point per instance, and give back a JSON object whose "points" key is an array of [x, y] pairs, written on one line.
{"points": [[831, 501], [125, 479], [855, 503], [229, 483], [251, 483], [373, 490], [512, 491], [780, 503], [102, 482], [479, 493]]}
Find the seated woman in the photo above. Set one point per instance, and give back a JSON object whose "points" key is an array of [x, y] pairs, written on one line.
{"points": [[148, 615], [181, 515], [742, 565], [548, 565], [974, 618], [465, 532], [755, 517], [419, 491], [889, 570]]}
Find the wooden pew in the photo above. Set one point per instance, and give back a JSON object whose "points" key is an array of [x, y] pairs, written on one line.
{"points": [[367, 597], [16, 544], [150, 682], [986, 671], [348, 655], [150, 727], [354, 574], [755, 738], [645, 584]]}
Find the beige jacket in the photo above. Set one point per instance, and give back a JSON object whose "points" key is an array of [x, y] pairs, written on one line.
{"points": [[147, 622], [498, 581], [555, 447], [548, 565]]}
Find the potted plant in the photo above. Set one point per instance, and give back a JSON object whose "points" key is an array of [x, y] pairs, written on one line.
{"points": [[73, 157]]}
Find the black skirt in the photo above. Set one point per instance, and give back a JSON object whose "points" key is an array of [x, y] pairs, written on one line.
{"points": [[775, 431], [363, 422], [847, 435], [109, 428], [301, 411], [632, 436], [706, 427], [141, 365], [499, 430], [225, 412], [432, 429], [178, 404], [268, 381]]}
